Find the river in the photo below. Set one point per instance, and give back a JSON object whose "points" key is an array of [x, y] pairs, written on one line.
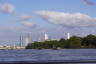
{"points": [[47, 55]]}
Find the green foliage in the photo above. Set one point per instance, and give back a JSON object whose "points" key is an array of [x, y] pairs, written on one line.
{"points": [[75, 42], [88, 41]]}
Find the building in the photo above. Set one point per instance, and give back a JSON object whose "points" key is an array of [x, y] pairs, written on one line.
{"points": [[21, 41], [28, 39], [46, 36], [68, 35]]}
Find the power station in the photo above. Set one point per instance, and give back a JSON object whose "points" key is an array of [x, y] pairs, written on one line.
{"points": [[25, 39]]}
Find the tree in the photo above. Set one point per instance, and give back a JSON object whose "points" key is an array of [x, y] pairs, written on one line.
{"points": [[62, 43], [29, 46], [89, 41], [75, 42]]}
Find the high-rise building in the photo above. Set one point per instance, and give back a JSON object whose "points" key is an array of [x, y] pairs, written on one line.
{"points": [[28, 39], [21, 41]]}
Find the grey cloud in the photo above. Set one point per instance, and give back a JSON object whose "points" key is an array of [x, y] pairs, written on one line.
{"points": [[7, 8], [25, 20], [27, 24], [67, 19], [24, 17], [89, 2]]}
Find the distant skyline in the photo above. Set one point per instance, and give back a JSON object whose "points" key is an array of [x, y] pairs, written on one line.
{"points": [[54, 17]]}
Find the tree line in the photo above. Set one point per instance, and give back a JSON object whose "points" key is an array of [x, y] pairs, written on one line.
{"points": [[74, 42]]}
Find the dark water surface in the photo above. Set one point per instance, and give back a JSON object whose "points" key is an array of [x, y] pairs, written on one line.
{"points": [[48, 55]]}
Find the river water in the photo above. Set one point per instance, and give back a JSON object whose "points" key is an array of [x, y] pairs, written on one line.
{"points": [[48, 55]]}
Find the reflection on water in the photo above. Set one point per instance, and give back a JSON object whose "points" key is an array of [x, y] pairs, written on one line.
{"points": [[48, 55]]}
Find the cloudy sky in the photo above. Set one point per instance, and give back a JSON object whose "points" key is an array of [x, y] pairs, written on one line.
{"points": [[54, 17]]}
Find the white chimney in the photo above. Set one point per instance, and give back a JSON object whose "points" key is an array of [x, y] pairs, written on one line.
{"points": [[68, 35], [46, 36]]}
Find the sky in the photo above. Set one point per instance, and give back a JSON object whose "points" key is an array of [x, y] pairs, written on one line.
{"points": [[54, 17]]}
